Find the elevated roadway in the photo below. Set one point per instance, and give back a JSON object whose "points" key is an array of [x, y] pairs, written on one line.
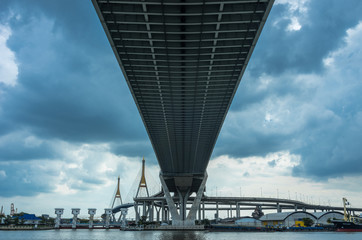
{"points": [[183, 61], [237, 204]]}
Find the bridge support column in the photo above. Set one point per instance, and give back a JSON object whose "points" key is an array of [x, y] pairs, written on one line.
{"points": [[203, 210], [75, 212], [181, 219], [91, 212], [217, 212], [199, 214], [163, 212], [168, 215], [157, 214], [237, 210], [150, 212], [124, 212], [183, 203], [58, 212], [144, 213], [108, 212], [137, 212], [279, 209]]}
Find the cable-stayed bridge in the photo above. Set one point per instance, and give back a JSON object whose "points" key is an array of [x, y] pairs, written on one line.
{"points": [[183, 61]]}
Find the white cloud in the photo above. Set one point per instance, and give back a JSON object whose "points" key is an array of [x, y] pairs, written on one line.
{"points": [[88, 172], [295, 5], [270, 176], [348, 58], [8, 65], [297, 11], [294, 25]]}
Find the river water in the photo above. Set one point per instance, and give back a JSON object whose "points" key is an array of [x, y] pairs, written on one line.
{"points": [[83, 234]]}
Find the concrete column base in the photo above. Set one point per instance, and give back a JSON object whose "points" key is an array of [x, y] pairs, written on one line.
{"points": [[179, 218], [186, 222]]}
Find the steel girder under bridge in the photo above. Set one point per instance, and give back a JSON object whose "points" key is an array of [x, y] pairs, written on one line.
{"points": [[183, 61]]}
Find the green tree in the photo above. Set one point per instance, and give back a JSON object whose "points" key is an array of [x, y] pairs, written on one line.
{"points": [[308, 222], [142, 221], [205, 222]]}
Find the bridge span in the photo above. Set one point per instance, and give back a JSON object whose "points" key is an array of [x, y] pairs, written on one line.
{"points": [[183, 61], [232, 205]]}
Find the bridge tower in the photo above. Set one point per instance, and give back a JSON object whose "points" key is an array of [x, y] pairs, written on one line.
{"points": [[143, 183], [141, 187], [117, 195]]}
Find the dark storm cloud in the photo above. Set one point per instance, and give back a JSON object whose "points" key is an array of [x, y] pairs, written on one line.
{"points": [[71, 86], [325, 122], [334, 148], [279, 51], [134, 149], [19, 178], [323, 29], [248, 143], [15, 148], [23, 179]]}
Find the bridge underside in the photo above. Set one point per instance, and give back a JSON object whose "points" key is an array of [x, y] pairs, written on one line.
{"points": [[183, 61]]}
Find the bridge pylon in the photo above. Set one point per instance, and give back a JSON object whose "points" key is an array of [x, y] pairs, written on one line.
{"points": [[143, 183], [142, 186], [117, 195]]}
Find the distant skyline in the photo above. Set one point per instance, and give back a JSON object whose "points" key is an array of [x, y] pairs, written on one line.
{"points": [[69, 126]]}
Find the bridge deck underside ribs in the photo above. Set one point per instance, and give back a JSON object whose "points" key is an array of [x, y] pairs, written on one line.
{"points": [[183, 61]]}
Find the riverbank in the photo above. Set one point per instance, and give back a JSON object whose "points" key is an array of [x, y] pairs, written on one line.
{"points": [[24, 227]]}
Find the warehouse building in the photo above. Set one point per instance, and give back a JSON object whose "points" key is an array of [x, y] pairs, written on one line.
{"points": [[323, 218], [298, 219]]}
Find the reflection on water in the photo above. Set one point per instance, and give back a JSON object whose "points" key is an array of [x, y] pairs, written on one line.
{"points": [[181, 235], [84, 234]]}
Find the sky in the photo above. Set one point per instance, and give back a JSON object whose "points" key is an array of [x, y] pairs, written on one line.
{"points": [[69, 126]]}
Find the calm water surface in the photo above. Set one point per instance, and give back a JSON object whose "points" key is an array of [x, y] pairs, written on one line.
{"points": [[116, 234]]}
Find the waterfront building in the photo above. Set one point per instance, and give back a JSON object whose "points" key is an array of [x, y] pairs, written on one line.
{"points": [[323, 218], [298, 219], [30, 219]]}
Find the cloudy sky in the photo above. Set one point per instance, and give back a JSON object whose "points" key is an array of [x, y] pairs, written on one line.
{"points": [[69, 126]]}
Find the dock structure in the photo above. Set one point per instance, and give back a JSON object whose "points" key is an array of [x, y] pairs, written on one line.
{"points": [[75, 212], [59, 212], [74, 223], [91, 212], [108, 212]]}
